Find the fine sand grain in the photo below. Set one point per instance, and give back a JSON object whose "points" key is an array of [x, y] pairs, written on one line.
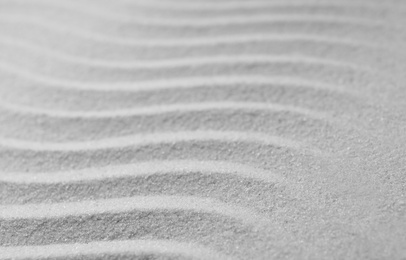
{"points": [[202, 129]]}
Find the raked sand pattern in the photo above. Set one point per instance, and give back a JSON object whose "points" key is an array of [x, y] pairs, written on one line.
{"points": [[202, 129]]}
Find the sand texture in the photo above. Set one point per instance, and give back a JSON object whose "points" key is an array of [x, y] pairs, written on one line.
{"points": [[203, 129]]}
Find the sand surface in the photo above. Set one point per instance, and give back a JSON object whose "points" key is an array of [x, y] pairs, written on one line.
{"points": [[203, 129]]}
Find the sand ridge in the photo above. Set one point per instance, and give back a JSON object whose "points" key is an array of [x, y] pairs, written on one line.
{"points": [[177, 129]]}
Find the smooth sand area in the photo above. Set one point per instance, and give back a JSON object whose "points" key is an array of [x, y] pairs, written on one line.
{"points": [[203, 129]]}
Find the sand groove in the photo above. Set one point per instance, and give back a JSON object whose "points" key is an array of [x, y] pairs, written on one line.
{"points": [[126, 248], [251, 187], [342, 29], [177, 129], [201, 145], [202, 11], [221, 116], [166, 211], [361, 54], [298, 66]]}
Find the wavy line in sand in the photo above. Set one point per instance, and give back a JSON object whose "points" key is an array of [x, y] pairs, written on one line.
{"points": [[279, 120], [181, 218], [93, 42], [119, 248], [214, 6], [157, 14], [311, 68], [192, 6], [343, 28], [13, 29], [62, 13], [122, 205], [225, 228], [11, 47], [144, 139], [31, 80], [345, 51], [249, 148], [175, 167], [244, 4], [168, 22], [233, 183], [201, 45], [162, 109], [59, 96]]}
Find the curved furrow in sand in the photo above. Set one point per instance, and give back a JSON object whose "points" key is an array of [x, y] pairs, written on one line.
{"points": [[142, 139], [121, 205], [143, 169], [242, 3], [125, 249], [204, 116], [263, 150], [188, 6], [180, 218], [29, 89], [124, 12], [42, 31], [344, 28], [329, 71], [316, 128], [334, 9], [278, 91], [15, 110], [366, 55], [29, 32], [31, 29], [66, 12], [259, 190], [92, 21]]}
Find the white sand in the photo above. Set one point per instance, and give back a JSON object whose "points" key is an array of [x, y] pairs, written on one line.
{"points": [[202, 129]]}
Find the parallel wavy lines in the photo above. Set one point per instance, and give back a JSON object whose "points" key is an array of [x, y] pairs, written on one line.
{"points": [[282, 66], [52, 32], [29, 81], [385, 13], [194, 130], [285, 121], [180, 218], [232, 183], [45, 125], [173, 49], [346, 51], [140, 203], [62, 12], [348, 9], [190, 6], [163, 14], [120, 248], [344, 28], [227, 4], [176, 167], [169, 22], [309, 55], [258, 149], [161, 109], [136, 140], [60, 96]]}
